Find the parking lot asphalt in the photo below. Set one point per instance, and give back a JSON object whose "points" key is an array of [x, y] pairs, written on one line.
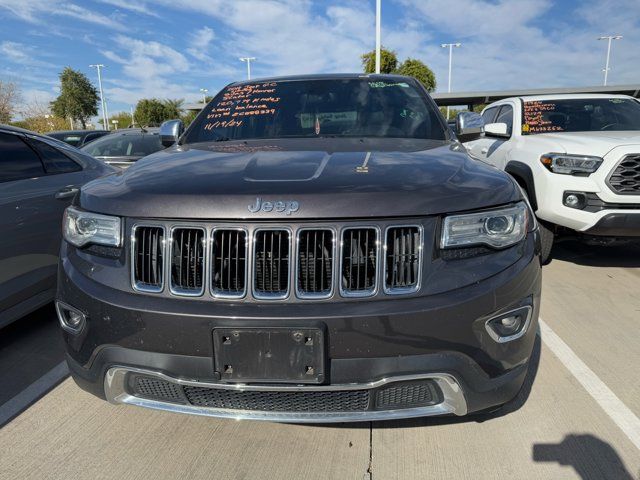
{"points": [[579, 420]]}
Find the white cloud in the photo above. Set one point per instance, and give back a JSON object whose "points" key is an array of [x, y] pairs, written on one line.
{"points": [[200, 42], [23, 55], [39, 12], [133, 6]]}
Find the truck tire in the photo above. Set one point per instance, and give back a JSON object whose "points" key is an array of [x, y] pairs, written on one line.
{"points": [[546, 239]]}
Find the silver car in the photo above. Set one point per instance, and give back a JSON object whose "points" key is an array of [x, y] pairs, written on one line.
{"points": [[39, 177]]}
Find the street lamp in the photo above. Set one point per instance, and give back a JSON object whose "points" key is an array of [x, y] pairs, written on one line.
{"points": [[378, 22], [204, 95], [450, 46], [98, 66], [606, 67], [248, 60], [115, 124]]}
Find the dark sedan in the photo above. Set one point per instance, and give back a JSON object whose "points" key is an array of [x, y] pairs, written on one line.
{"points": [[78, 138], [39, 176], [124, 147]]}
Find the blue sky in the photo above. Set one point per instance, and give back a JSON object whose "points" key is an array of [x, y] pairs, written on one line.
{"points": [[172, 48]]}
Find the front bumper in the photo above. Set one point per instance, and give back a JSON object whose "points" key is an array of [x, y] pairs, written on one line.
{"points": [[620, 224], [438, 339]]}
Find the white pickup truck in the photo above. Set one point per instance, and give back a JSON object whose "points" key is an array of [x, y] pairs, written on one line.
{"points": [[576, 156]]}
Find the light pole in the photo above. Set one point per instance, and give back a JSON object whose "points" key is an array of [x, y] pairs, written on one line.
{"points": [[450, 46], [133, 122], [606, 67], [248, 60], [378, 34], [204, 95], [98, 66]]}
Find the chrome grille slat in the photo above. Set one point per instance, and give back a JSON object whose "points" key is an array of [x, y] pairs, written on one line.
{"points": [[187, 267], [271, 263], [147, 252], [315, 259], [359, 261], [403, 259], [268, 261], [229, 263]]}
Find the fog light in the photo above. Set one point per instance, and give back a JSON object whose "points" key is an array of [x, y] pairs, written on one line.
{"points": [[71, 319], [574, 200], [509, 325]]}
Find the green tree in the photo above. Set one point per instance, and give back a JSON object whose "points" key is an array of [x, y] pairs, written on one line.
{"points": [[412, 67], [151, 112], [123, 119], [388, 61], [78, 97], [173, 108], [189, 117]]}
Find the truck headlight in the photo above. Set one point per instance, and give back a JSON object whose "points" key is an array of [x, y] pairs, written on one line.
{"points": [[568, 164], [498, 228], [80, 228]]}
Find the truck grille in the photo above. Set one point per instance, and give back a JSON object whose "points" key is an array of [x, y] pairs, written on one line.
{"points": [[315, 263], [625, 179], [359, 261], [147, 258], [231, 262], [403, 247], [187, 261], [271, 270]]}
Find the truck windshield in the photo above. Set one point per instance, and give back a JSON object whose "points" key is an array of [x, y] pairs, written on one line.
{"points": [[580, 115], [318, 108]]}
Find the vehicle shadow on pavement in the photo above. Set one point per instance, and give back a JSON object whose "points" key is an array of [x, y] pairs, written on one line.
{"points": [[622, 254], [590, 457]]}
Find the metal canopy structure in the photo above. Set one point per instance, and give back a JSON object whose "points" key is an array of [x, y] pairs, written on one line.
{"points": [[476, 98]]}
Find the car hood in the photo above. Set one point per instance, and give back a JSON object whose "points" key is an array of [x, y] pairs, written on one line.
{"points": [[588, 143], [362, 179]]}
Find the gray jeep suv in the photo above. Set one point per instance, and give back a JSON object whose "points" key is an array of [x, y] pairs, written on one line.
{"points": [[312, 249]]}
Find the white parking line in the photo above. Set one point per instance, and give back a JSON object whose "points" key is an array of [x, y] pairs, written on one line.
{"points": [[33, 392], [621, 415]]}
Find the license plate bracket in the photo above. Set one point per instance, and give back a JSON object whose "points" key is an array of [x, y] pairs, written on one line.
{"points": [[269, 355]]}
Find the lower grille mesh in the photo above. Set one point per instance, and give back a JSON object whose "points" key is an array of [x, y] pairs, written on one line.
{"points": [[397, 395], [338, 401]]}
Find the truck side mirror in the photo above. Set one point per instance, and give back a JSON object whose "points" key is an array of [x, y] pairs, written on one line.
{"points": [[469, 126], [170, 132]]}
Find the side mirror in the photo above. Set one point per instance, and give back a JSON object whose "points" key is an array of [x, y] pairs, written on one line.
{"points": [[170, 132], [469, 126], [496, 130]]}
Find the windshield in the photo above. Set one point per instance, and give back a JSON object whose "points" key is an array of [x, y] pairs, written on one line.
{"points": [[580, 115], [317, 108], [124, 146]]}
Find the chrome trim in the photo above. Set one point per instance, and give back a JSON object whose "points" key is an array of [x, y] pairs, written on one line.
{"points": [[403, 290], [247, 246], [61, 317], [183, 292], [296, 272], [516, 336], [453, 399], [276, 296], [134, 284], [361, 293]]}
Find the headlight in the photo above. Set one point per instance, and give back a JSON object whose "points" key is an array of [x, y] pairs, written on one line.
{"points": [[570, 164], [81, 228], [496, 228]]}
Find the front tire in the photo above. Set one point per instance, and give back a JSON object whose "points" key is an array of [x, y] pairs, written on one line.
{"points": [[547, 237]]}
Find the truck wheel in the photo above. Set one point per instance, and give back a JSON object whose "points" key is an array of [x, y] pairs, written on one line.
{"points": [[546, 239]]}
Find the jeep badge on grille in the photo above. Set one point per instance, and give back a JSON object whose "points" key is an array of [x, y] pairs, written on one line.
{"points": [[278, 206]]}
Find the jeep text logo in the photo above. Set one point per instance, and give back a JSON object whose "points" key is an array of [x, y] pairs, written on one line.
{"points": [[279, 206]]}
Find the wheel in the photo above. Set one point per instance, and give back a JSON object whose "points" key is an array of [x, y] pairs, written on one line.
{"points": [[546, 239]]}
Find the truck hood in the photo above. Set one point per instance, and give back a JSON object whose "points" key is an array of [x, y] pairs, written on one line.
{"points": [[587, 143], [330, 178]]}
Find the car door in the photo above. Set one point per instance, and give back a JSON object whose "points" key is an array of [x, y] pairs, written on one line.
{"points": [[37, 182], [493, 149], [475, 147]]}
